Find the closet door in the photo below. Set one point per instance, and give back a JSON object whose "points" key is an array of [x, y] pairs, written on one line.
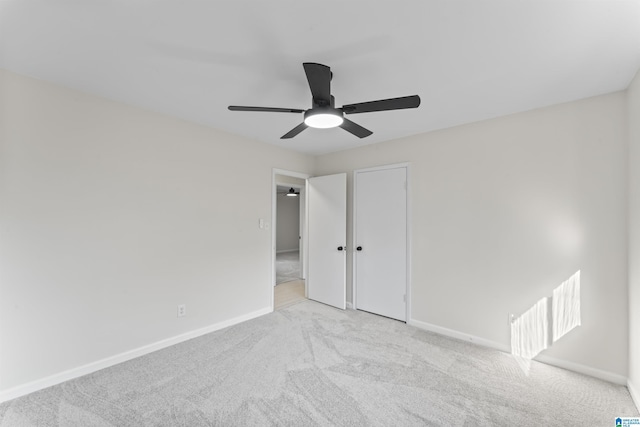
{"points": [[381, 241]]}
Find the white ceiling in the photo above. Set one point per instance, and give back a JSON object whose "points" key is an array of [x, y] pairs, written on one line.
{"points": [[468, 60]]}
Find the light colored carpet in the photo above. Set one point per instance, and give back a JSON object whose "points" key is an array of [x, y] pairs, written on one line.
{"points": [[287, 267], [310, 364]]}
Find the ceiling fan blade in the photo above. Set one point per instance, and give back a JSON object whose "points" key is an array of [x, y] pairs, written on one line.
{"points": [[319, 78], [383, 105], [266, 109], [355, 129], [293, 132]]}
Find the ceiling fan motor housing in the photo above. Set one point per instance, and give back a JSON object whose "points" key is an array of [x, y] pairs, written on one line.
{"points": [[322, 103]]}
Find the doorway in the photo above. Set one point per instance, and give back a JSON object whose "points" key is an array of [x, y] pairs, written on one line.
{"points": [[288, 233], [288, 238]]}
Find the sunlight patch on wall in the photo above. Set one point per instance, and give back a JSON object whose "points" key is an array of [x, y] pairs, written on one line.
{"points": [[546, 322], [566, 307], [529, 332]]}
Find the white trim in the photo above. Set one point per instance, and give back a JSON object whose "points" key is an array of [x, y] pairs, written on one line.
{"points": [[459, 335], [570, 366], [293, 174], [284, 251], [89, 368], [354, 244], [582, 369], [383, 167], [305, 240], [407, 167], [635, 395], [409, 246]]}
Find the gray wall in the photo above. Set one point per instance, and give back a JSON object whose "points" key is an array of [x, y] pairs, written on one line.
{"points": [[288, 223]]}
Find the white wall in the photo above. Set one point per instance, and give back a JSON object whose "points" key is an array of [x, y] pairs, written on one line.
{"points": [[633, 115], [504, 210], [111, 216], [289, 181], [288, 223]]}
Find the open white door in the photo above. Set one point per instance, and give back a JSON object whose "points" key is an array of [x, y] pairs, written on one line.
{"points": [[327, 237]]}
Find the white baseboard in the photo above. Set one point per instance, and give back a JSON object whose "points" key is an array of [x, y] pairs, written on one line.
{"points": [[570, 366], [284, 251], [89, 368], [582, 369], [459, 335], [635, 394]]}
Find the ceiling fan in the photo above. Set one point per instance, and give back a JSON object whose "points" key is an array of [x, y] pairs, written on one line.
{"points": [[291, 193], [323, 113]]}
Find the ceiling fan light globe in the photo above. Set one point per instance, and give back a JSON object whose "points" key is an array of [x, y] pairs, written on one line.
{"points": [[324, 119]]}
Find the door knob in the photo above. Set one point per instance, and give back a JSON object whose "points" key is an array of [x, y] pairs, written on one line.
{"points": [[340, 248], [359, 248]]}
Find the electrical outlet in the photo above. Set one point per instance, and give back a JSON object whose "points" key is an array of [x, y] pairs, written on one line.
{"points": [[182, 310]]}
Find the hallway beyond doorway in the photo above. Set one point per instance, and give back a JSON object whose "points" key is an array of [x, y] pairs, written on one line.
{"points": [[289, 287], [288, 293], [288, 267]]}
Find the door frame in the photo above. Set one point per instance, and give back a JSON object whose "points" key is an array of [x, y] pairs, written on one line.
{"points": [[303, 243], [354, 264]]}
